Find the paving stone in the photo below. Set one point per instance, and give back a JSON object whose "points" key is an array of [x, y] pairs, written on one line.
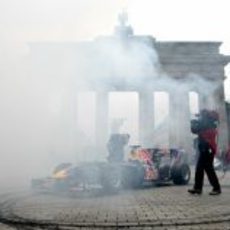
{"points": [[165, 207]]}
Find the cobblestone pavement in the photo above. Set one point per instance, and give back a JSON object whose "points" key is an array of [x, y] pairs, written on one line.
{"points": [[165, 207]]}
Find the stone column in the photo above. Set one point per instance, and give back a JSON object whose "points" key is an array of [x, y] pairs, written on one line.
{"points": [[203, 101], [173, 120], [73, 119], [66, 133], [146, 118], [206, 101], [180, 135], [74, 110], [185, 118], [101, 131], [220, 106]]}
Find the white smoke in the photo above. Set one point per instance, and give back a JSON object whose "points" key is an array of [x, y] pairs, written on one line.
{"points": [[38, 126]]}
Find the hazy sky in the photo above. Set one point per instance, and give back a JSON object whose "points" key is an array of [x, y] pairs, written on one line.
{"points": [[85, 19]]}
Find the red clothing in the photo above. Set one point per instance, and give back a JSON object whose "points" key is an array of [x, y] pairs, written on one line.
{"points": [[210, 136]]}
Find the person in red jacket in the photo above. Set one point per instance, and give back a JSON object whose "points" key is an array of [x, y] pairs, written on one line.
{"points": [[206, 129]]}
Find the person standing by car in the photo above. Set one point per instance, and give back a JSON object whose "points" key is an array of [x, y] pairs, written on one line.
{"points": [[206, 129], [116, 145]]}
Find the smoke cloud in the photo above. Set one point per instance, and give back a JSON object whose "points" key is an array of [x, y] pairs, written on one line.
{"points": [[38, 81]]}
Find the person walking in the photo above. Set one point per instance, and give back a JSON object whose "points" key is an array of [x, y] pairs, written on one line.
{"points": [[206, 129]]}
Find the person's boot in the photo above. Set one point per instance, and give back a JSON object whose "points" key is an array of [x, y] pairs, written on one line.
{"points": [[215, 192], [195, 191]]}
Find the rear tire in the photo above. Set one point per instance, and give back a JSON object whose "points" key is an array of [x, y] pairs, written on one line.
{"points": [[181, 175]]}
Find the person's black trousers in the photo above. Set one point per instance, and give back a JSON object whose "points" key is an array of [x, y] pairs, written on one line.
{"points": [[205, 164]]}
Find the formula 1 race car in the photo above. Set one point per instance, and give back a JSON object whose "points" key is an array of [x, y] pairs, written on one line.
{"points": [[144, 166]]}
